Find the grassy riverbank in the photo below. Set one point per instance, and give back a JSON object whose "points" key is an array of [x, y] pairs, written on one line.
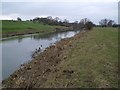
{"points": [[94, 60], [89, 59], [13, 28]]}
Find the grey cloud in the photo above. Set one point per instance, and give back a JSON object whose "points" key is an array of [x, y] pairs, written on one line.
{"points": [[72, 11]]}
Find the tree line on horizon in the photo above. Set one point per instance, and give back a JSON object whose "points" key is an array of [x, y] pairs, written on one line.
{"points": [[84, 23]]}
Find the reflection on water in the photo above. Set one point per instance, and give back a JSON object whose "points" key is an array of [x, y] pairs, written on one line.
{"points": [[18, 50]]}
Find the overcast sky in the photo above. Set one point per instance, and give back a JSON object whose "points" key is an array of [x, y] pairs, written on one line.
{"points": [[72, 10]]}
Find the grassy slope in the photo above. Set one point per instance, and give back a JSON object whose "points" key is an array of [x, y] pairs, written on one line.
{"points": [[15, 26], [94, 61]]}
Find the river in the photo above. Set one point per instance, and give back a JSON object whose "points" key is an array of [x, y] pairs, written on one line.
{"points": [[18, 50]]}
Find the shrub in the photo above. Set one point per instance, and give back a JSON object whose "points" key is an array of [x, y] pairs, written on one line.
{"points": [[89, 25]]}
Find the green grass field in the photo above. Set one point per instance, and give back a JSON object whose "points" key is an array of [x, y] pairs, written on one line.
{"points": [[94, 60], [13, 27]]}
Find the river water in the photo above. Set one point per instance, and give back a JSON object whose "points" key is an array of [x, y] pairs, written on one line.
{"points": [[18, 50]]}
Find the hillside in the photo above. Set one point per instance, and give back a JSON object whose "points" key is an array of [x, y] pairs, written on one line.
{"points": [[14, 28]]}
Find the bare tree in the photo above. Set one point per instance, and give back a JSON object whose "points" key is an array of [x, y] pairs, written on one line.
{"points": [[19, 19], [106, 22], [76, 22], [84, 20], [110, 23], [103, 22], [56, 19], [86, 23], [65, 22], [49, 17]]}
